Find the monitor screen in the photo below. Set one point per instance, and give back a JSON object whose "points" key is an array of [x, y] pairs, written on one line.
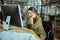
{"points": [[13, 11]]}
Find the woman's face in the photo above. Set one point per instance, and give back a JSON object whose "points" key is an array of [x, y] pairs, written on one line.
{"points": [[30, 13]]}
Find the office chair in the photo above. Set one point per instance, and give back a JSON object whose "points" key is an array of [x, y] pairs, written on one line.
{"points": [[48, 29]]}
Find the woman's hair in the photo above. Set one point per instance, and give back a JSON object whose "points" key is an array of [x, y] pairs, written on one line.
{"points": [[33, 8]]}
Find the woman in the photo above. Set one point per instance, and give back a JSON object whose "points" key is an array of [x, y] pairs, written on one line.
{"points": [[34, 23]]}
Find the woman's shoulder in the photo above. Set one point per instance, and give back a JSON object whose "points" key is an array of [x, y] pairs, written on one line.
{"points": [[38, 18]]}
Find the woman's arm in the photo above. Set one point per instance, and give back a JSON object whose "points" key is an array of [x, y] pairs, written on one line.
{"points": [[29, 23], [38, 28]]}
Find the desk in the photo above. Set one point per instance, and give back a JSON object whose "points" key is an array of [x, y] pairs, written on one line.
{"points": [[19, 29]]}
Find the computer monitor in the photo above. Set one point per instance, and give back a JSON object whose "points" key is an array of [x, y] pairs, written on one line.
{"points": [[14, 11]]}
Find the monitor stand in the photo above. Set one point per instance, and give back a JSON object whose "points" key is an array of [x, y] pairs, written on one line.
{"points": [[6, 23]]}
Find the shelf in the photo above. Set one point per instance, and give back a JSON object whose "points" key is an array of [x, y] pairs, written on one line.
{"points": [[57, 18]]}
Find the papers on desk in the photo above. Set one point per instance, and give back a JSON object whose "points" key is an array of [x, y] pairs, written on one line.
{"points": [[10, 35]]}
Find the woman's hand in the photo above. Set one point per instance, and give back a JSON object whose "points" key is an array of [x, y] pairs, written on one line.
{"points": [[30, 21]]}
